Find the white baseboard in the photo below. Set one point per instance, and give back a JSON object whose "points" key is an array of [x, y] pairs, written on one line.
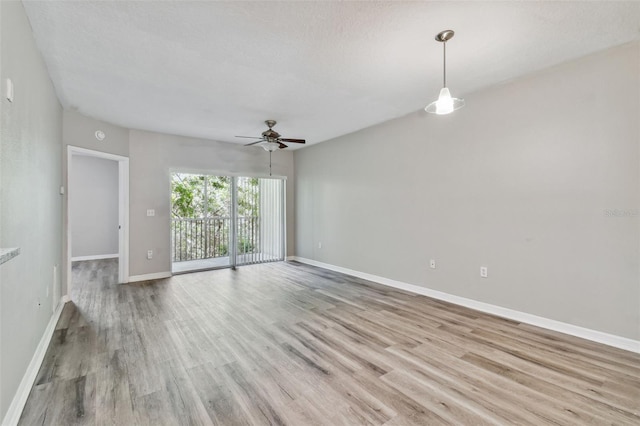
{"points": [[147, 277], [95, 257], [20, 398], [562, 327]]}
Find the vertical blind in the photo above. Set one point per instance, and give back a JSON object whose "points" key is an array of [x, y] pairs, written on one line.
{"points": [[260, 221]]}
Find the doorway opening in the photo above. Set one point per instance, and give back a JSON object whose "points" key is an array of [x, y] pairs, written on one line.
{"points": [[97, 217], [225, 221]]}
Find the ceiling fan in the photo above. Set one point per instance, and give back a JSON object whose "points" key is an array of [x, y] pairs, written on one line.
{"points": [[270, 139]]}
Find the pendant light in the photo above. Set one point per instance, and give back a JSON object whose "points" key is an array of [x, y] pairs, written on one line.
{"points": [[445, 103]]}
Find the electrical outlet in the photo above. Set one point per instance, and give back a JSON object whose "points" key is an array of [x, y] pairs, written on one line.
{"points": [[149, 254], [484, 272], [432, 264], [151, 212], [319, 245]]}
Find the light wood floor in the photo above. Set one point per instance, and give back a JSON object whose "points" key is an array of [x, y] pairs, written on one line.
{"points": [[103, 271], [285, 343]]}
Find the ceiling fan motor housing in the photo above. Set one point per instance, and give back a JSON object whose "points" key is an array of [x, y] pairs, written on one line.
{"points": [[270, 134]]}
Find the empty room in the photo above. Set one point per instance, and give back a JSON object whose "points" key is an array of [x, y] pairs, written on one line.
{"points": [[319, 212]]}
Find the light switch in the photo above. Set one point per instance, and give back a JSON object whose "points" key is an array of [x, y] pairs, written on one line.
{"points": [[151, 212]]}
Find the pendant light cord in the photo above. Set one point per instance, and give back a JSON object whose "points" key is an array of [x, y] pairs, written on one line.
{"points": [[444, 62]]}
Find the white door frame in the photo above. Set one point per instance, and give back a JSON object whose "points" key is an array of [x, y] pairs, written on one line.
{"points": [[123, 210]]}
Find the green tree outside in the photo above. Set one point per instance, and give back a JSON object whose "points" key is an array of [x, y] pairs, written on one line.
{"points": [[201, 210]]}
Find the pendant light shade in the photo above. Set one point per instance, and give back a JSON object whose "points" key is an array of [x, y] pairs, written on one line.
{"points": [[445, 103]]}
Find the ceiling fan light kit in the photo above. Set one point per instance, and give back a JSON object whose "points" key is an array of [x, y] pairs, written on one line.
{"points": [[270, 146], [445, 103]]}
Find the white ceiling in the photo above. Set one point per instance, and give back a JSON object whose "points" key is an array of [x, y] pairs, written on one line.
{"points": [[322, 69]]}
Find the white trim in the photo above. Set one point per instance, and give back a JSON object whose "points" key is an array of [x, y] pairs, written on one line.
{"points": [[123, 220], [94, 257], [22, 393], [92, 153], [562, 327], [147, 277]]}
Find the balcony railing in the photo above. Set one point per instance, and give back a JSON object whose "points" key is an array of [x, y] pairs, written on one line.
{"points": [[204, 238]]}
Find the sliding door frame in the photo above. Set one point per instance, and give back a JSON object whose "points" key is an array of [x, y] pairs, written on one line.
{"points": [[284, 218], [233, 263], [233, 236]]}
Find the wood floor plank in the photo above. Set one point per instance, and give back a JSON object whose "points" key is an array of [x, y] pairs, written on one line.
{"points": [[290, 344], [438, 399], [154, 409], [596, 408], [113, 399], [493, 391]]}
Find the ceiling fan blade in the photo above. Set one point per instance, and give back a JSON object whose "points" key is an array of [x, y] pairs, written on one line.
{"points": [[293, 140], [253, 143], [250, 137], [282, 145]]}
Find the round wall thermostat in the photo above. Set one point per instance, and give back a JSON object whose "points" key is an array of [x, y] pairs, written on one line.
{"points": [[100, 135]]}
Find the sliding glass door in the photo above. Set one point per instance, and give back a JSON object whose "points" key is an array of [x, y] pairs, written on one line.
{"points": [[200, 222], [222, 221]]}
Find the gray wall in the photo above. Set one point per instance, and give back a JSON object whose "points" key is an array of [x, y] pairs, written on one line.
{"points": [[154, 156], [79, 130], [30, 209], [93, 186], [525, 180]]}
